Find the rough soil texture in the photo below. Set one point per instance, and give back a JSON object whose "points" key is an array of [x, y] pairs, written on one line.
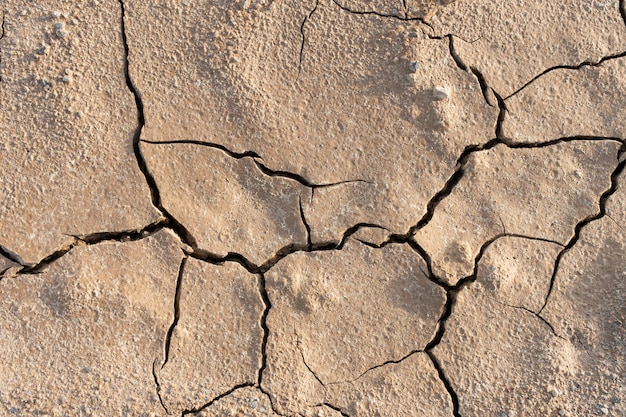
{"points": [[318, 208]]}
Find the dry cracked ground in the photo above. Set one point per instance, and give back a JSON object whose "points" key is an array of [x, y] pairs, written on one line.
{"points": [[313, 208]]}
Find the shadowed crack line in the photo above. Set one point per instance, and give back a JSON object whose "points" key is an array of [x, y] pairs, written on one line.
{"points": [[543, 320], [214, 400], [446, 382], [232, 154], [309, 242], [622, 10], [255, 156], [484, 87], [266, 330], [582, 224], [170, 331], [299, 345], [204, 255], [463, 159], [334, 407], [306, 18], [158, 386], [404, 18], [176, 226], [94, 239], [587, 63], [1, 37], [11, 256]]}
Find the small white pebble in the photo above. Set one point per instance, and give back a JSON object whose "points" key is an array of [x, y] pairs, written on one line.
{"points": [[67, 79], [23, 13], [561, 412], [440, 93], [554, 392], [56, 13], [604, 410]]}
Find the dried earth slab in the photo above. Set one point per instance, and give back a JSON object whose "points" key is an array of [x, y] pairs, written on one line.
{"points": [[539, 192], [337, 314], [227, 203], [216, 337], [67, 120], [361, 101], [81, 337], [586, 102], [511, 42]]}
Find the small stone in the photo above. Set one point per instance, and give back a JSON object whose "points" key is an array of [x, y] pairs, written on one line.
{"points": [[554, 392], [561, 412], [604, 410], [254, 404], [440, 93], [414, 66], [67, 79], [56, 14], [59, 30]]}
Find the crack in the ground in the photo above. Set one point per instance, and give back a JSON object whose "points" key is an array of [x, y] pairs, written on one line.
{"points": [[587, 63], [155, 376], [536, 315], [622, 10], [446, 383], [307, 227], [2, 32], [92, 239], [333, 407], [215, 399], [261, 166], [177, 295], [176, 226], [404, 18], [604, 197], [299, 346], [463, 159], [306, 18], [267, 303]]}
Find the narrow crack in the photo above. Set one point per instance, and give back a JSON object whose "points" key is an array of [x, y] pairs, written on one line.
{"points": [[582, 224], [176, 226], [455, 56], [158, 386], [307, 227], [583, 64], [299, 346], [170, 331], [622, 10], [2, 32], [214, 400], [306, 18], [334, 407], [260, 165], [484, 87], [446, 383], [266, 330], [404, 18], [536, 315]]}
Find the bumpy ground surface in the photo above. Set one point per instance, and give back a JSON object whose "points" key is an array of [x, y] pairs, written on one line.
{"points": [[313, 208]]}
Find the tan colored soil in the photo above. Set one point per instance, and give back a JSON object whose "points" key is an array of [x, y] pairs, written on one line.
{"points": [[318, 208]]}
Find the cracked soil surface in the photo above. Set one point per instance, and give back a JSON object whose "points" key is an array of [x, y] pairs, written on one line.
{"points": [[316, 208]]}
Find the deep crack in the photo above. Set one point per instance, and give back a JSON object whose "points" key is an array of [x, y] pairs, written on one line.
{"points": [[158, 386], [266, 331], [446, 382], [176, 226]]}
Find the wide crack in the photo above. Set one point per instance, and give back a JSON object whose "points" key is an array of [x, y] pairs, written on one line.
{"points": [[176, 226]]}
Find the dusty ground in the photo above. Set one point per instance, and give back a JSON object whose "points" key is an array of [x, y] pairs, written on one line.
{"points": [[313, 208]]}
